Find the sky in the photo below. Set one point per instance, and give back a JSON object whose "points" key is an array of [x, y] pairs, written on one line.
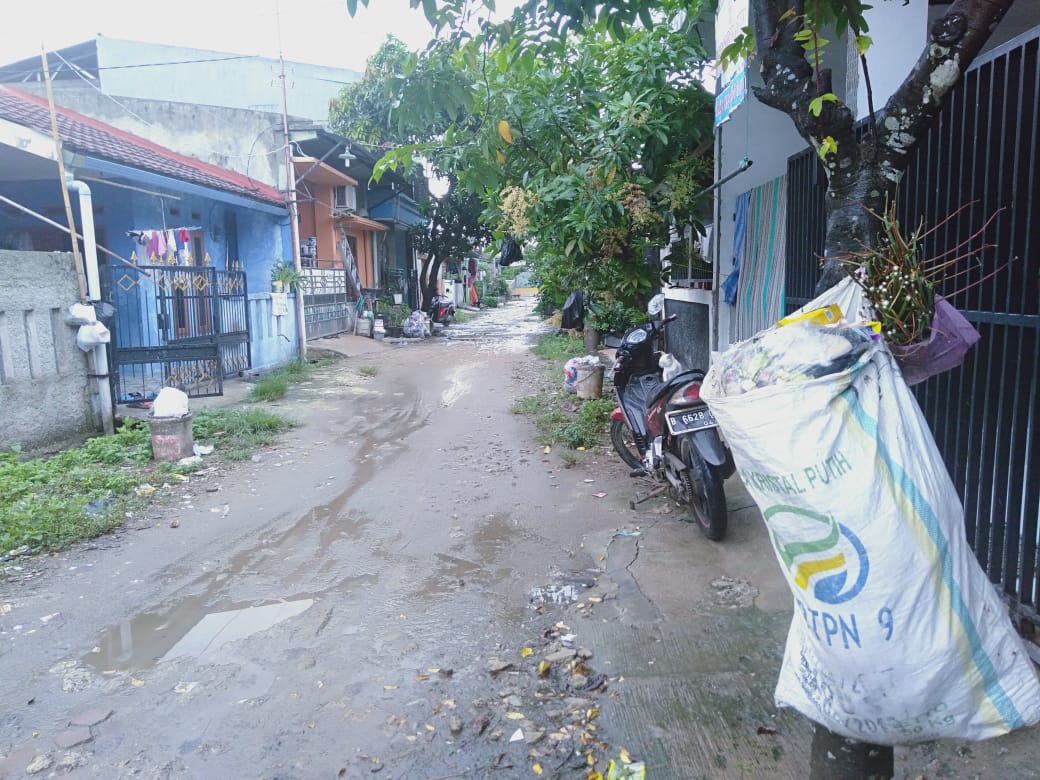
{"points": [[315, 31]]}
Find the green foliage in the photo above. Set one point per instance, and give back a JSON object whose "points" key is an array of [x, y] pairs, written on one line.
{"points": [[592, 144], [275, 385], [613, 317], [490, 301], [78, 475], [47, 503], [561, 418], [428, 96], [368, 370], [285, 275], [558, 348], [237, 433], [531, 404], [397, 314]]}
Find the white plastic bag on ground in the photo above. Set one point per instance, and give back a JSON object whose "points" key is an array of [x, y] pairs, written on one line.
{"points": [[898, 635]]}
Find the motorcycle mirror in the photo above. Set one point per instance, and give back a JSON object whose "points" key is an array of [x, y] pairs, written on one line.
{"points": [[656, 305]]}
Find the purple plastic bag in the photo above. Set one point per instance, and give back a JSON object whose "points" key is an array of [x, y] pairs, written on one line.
{"points": [[949, 341]]}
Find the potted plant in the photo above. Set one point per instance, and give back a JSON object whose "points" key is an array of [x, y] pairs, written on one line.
{"points": [[284, 277], [396, 315], [925, 333]]}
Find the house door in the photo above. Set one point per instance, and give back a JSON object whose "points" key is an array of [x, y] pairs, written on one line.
{"points": [[191, 299]]}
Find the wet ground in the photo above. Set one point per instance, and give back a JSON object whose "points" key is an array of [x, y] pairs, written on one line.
{"points": [[408, 586]]}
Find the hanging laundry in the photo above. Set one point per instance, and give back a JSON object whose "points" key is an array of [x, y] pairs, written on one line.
{"points": [[185, 236], [156, 246]]}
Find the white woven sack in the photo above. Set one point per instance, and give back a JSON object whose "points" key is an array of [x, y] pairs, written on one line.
{"points": [[897, 635]]}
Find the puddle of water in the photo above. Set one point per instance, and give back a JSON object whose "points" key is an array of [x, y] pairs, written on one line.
{"points": [[152, 637], [219, 628], [459, 385]]}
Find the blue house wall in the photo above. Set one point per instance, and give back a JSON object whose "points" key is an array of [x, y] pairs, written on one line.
{"points": [[261, 236]]}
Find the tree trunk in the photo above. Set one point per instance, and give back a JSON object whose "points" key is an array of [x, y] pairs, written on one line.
{"points": [[864, 173], [428, 280]]}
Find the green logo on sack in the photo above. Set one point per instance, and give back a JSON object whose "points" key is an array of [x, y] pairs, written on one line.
{"points": [[822, 556]]}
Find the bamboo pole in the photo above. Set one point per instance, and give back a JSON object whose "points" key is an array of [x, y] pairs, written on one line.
{"points": [[81, 275], [76, 236]]}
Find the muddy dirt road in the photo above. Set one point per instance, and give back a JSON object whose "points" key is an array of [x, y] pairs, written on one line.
{"points": [[407, 586]]}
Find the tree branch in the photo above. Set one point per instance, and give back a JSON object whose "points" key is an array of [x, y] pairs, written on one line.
{"points": [[954, 41], [789, 84]]}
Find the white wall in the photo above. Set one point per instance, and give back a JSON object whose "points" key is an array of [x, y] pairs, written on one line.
{"points": [[899, 33], [199, 76]]}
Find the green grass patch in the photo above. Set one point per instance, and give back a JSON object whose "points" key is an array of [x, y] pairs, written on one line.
{"points": [[368, 370], [562, 419], [237, 433], [49, 503], [273, 386], [464, 316], [557, 347], [532, 404]]}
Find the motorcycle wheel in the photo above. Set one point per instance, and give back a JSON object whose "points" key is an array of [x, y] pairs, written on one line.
{"points": [[448, 319], [705, 495], [626, 447]]}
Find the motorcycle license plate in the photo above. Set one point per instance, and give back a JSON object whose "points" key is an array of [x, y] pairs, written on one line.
{"points": [[687, 420]]}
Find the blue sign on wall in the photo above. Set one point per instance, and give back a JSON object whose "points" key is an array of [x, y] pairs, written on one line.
{"points": [[732, 93]]}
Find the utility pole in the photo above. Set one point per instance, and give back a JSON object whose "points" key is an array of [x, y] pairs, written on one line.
{"points": [[294, 213]]}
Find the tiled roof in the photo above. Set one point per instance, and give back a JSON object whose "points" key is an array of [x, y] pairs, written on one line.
{"points": [[80, 133]]}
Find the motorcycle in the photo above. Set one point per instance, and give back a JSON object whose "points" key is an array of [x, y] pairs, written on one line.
{"points": [[443, 310], [663, 430]]}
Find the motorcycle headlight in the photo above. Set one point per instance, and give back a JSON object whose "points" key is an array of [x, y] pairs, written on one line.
{"points": [[638, 336]]}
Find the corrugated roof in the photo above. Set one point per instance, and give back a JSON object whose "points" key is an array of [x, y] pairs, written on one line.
{"points": [[80, 133]]}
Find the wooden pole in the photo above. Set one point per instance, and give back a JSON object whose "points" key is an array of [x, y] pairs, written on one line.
{"points": [[81, 274], [294, 210]]}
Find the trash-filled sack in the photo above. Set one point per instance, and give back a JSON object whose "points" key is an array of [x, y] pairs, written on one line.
{"points": [[413, 325], [897, 635]]}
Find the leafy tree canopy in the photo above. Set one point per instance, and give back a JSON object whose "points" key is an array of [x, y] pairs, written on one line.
{"points": [[587, 146]]}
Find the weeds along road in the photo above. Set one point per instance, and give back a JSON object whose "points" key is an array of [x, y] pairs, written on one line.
{"points": [[407, 586]]}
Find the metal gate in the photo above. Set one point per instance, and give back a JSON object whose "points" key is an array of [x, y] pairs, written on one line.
{"points": [[985, 416], [327, 309], [176, 326]]}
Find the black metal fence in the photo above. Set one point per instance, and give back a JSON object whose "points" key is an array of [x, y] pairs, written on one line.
{"points": [[981, 160], [176, 326]]}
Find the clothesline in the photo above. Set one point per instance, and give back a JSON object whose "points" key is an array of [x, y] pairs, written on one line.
{"points": [[138, 233], [164, 243]]}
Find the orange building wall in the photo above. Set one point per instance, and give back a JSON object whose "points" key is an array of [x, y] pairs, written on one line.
{"points": [[316, 220]]}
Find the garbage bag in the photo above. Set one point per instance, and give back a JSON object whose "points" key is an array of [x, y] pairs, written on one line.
{"points": [[413, 325], [570, 375], [170, 402], [897, 635], [511, 252], [80, 314], [92, 335], [574, 311]]}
